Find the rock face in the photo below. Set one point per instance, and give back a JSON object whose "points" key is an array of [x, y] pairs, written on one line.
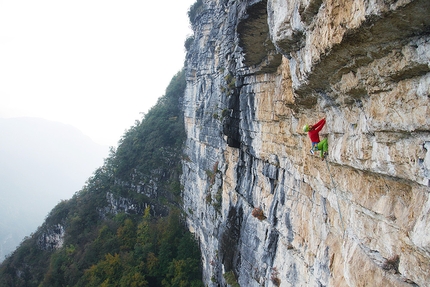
{"points": [[52, 238], [257, 72]]}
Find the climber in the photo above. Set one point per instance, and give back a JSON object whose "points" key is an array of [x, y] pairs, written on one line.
{"points": [[313, 132]]}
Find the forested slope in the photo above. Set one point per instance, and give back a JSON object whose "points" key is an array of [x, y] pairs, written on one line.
{"points": [[125, 227]]}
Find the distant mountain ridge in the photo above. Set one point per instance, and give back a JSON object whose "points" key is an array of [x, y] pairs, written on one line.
{"points": [[41, 163]]}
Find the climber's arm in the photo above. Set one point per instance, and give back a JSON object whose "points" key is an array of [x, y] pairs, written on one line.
{"points": [[319, 125]]}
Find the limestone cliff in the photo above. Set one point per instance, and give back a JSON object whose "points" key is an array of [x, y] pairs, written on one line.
{"points": [[257, 71]]}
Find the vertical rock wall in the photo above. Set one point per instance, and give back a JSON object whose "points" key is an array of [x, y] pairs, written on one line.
{"points": [[257, 72]]}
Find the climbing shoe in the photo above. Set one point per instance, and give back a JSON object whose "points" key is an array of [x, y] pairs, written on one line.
{"points": [[312, 151], [324, 155]]}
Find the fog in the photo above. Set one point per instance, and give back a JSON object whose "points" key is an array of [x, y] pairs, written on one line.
{"points": [[93, 64], [41, 163]]}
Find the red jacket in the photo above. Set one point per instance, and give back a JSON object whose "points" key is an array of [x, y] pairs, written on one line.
{"points": [[313, 133]]}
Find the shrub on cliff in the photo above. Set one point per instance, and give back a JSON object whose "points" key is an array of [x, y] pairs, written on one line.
{"points": [[188, 42], [258, 213], [230, 279], [194, 10]]}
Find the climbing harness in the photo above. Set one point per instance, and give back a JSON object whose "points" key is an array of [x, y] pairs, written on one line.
{"points": [[337, 198]]}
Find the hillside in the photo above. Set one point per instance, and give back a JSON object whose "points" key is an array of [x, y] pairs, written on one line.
{"points": [[124, 227]]}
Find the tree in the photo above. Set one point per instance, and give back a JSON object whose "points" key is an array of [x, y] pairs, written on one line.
{"points": [[145, 239], [127, 235]]}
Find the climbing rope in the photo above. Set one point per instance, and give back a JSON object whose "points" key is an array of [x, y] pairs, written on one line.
{"points": [[337, 198]]}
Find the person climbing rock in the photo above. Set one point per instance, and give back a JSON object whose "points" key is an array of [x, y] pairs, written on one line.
{"points": [[317, 145]]}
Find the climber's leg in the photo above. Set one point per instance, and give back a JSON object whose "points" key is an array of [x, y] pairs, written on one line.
{"points": [[323, 147]]}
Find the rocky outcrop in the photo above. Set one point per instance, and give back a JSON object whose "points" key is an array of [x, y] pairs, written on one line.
{"points": [[129, 205], [51, 238], [257, 72]]}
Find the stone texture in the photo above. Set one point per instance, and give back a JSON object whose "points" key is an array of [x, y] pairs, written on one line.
{"points": [[52, 237], [362, 217]]}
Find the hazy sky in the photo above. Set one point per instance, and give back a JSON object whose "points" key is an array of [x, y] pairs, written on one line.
{"points": [[93, 64]]}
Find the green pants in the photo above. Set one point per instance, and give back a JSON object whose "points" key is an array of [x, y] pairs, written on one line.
{"points": [[322, 146]]}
